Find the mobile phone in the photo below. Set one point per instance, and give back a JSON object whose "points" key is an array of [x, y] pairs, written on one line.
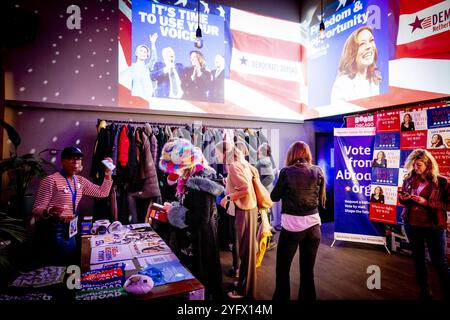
{"points": [[404, 194], [108, 164]]}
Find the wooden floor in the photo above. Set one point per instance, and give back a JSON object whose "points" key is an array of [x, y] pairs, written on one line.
{"points": [[341, 272]]}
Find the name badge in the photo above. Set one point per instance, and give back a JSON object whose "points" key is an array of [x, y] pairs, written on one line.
{"points": [[73, 227]]}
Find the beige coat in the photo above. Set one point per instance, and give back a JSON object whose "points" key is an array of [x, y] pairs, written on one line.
{"points": [[239, 184]]}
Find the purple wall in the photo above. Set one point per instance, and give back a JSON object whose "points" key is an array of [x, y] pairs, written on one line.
{"points": [[62, 65]]}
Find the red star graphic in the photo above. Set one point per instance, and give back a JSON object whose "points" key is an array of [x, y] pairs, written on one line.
{"points": [[417, 24]]}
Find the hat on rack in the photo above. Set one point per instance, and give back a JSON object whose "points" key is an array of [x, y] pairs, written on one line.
{"points": [[71, 152], [178, 155]]}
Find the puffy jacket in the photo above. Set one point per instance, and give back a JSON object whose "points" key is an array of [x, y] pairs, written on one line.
{"points": [[301, 187]]}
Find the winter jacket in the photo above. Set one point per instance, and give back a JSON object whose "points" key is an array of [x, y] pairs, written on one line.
{"points": [[199, 243], [124, 145], [147, 172], [301, 187]]}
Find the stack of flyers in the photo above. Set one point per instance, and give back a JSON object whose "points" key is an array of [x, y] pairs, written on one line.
{"points": [[167, 272], [104, 254], [146, 261], [101, 284], [149, 248], [45, 276]]}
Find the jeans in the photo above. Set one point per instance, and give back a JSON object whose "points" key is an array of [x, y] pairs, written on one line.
{"points": [[55, 245], [308, 243], [435, 240]]}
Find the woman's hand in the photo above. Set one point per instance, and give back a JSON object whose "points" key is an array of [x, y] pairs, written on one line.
{"points": [[420, 200], [153, 37], [404, 196], [224, 202]]}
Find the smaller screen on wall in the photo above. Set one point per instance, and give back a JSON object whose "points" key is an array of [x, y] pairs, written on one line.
{"points": [[377, 53]]}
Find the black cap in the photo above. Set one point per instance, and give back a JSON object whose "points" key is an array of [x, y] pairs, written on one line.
{"points": [[71, 152]]}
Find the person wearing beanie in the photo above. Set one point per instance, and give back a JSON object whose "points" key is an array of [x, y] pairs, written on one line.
{"points": [[56, 204], [194, 216]]}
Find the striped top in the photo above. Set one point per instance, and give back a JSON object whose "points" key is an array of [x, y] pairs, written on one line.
{"points": [[54, 192]]}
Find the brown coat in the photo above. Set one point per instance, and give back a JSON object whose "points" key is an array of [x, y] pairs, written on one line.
{"points": [[147, 172]]}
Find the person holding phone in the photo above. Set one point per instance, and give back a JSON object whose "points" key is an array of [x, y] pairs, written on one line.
{"points": [[56, 204], [426, 199]]}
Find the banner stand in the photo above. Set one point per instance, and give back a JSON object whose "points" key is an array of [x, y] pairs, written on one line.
{"points": [[353, 154], [385, 246]]}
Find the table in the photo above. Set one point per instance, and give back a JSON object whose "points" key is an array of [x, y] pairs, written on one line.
{"points": [[192, 288]]}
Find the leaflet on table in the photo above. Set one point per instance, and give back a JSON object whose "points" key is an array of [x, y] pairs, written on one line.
{"points": [[145, 261], [123, 238], [138, 226], [129, 265], [149, 248], [167, 272], [45, 276], [109, 253]]}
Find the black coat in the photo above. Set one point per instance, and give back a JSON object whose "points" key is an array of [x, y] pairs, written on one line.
{"points": [[198, 246]]}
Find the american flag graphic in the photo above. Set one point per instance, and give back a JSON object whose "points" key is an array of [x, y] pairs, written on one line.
{"points": [[421, 68]]}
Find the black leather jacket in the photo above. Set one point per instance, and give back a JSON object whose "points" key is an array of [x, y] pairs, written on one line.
{"points": [[301, 187]]}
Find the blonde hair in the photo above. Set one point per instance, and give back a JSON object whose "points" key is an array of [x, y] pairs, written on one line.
{"points": [[298, 151], [429, 161]]}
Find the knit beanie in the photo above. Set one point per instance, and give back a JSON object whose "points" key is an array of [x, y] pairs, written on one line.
{"points": [[180, 154]]}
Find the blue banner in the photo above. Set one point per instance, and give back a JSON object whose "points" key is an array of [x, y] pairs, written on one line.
{"points": [[353, 168], [438, 117], [385, 176], [388, 141]]}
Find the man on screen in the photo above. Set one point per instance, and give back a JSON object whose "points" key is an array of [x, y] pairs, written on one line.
{"points": [[169, 76], [217, 78]]}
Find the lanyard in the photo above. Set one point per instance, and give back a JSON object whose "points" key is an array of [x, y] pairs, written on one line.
{"points": [[72, 192]]}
